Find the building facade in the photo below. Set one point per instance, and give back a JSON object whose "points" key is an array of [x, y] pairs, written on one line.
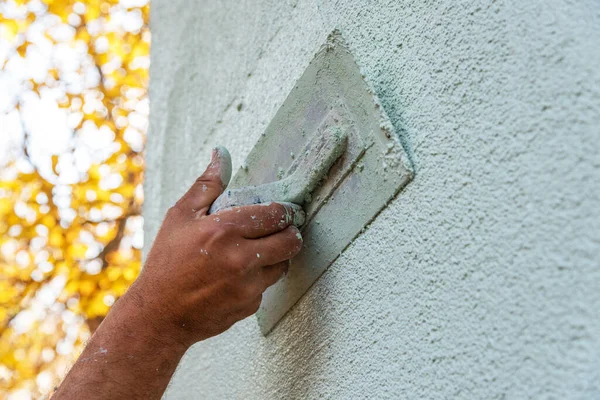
{"points": [[481, 279]]}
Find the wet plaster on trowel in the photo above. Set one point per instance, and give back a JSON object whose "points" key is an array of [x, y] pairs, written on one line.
{"points": [[480, 280]]}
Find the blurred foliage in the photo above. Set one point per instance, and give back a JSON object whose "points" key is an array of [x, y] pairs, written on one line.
{"points": [[70, 223]]}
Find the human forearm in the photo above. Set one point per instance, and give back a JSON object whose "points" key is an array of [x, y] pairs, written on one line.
{"points": [[129, 357]]}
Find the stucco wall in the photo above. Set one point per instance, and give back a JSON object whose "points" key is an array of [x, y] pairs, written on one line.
{"points": [[482, 278]]}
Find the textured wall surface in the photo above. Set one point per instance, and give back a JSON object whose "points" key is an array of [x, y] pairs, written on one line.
{"points": [[482, 278]]}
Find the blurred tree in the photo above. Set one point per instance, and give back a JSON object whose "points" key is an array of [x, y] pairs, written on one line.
{"points": [[73, 117]]}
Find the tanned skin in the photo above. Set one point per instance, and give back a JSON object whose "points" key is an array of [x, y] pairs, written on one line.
{"points": [[203, 274]]}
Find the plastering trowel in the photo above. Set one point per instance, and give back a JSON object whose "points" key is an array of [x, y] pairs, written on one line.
{"points": [[331, 149]]}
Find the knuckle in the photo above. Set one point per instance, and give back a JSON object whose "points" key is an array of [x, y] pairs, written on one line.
{"points": [[204, 184], [210, 234], [215, 233], [226, 227], [206, 179], [174, 211], [238, 264]]}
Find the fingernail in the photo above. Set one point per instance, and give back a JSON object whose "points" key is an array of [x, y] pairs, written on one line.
{"points": [[298, 234], [294, 213], [299, 218], [221, 163]]}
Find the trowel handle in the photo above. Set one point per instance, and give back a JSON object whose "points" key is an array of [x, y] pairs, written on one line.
{"points": [[305, 173]]}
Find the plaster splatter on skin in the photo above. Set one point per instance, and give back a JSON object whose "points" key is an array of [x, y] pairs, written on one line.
{"points": [[100, 352], [294, 214]]}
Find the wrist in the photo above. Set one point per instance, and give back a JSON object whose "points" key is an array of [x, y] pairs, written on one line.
{"points": [[147, 322]]}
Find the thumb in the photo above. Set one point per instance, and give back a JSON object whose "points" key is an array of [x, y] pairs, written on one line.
{"points": [[219, 167], [209, 185]]}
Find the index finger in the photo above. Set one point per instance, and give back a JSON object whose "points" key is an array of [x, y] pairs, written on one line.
{"points": [[258, 220]]}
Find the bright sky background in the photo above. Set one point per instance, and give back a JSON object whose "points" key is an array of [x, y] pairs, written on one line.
{"points": [[50, 127]]}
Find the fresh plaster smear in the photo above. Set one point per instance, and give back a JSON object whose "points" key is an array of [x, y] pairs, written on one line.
{"points": [[480, 280]]}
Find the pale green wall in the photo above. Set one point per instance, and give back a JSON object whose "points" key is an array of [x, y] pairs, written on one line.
{"points": [[482, 278]]}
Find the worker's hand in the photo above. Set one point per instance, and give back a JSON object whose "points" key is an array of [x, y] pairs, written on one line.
{"points": [[206, 272], [203, 274]]}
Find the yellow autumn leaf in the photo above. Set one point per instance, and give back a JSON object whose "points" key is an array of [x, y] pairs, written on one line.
{"points": [[22, 49], [51, 234], [92, 13], [10, 29], [54, 163], [6, 205]]}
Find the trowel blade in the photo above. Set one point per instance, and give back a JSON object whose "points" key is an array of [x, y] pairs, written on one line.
{"points": [[370, 172]]}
